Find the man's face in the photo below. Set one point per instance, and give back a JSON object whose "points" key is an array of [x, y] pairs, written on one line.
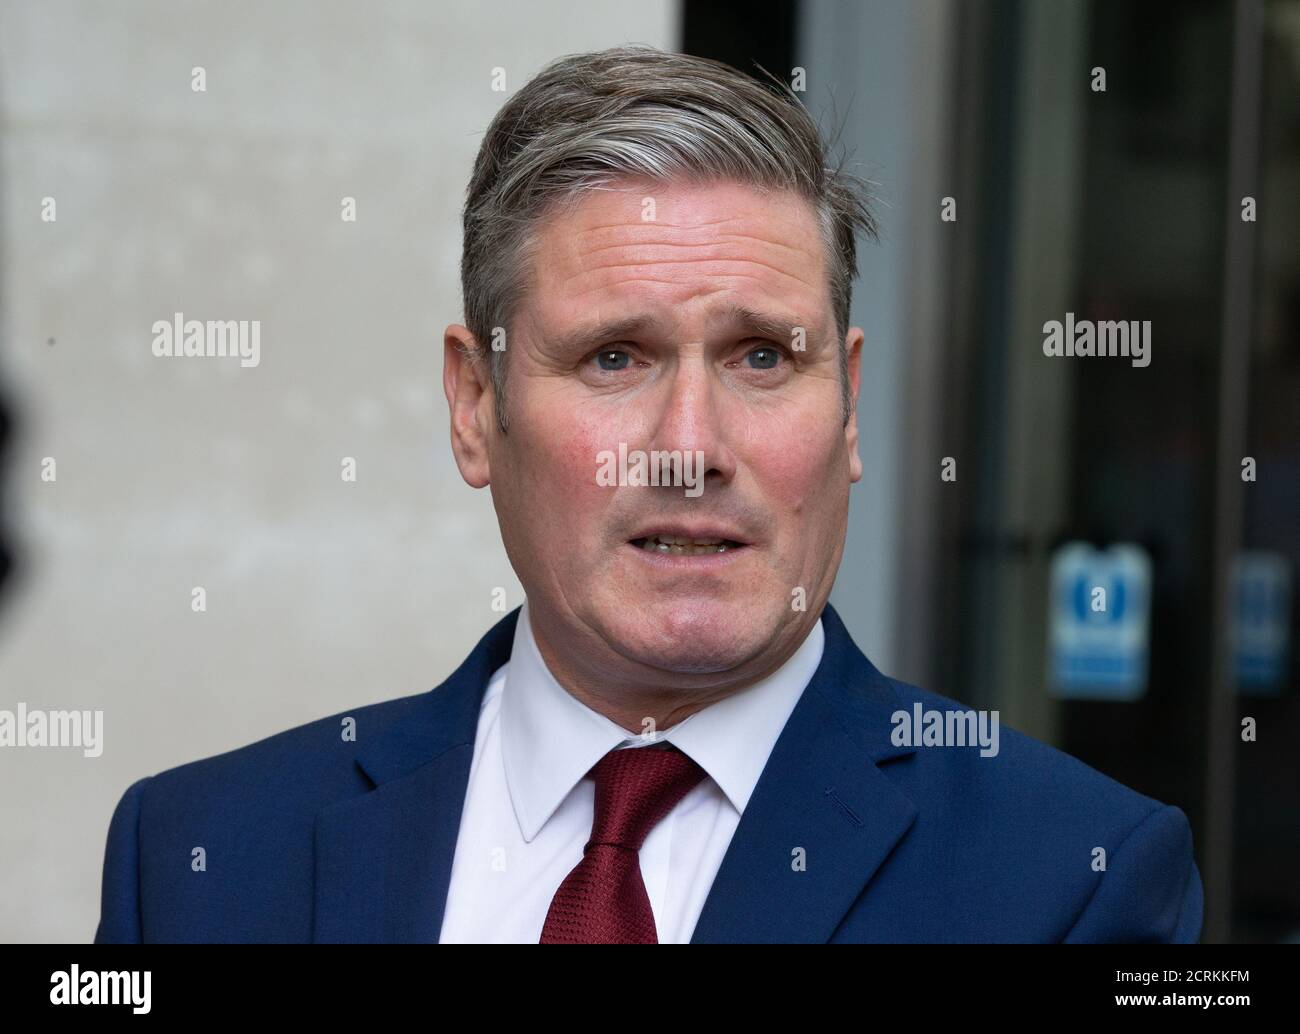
{"points": [[693, 375]]}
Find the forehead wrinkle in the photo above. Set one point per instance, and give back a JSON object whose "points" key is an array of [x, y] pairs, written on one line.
{"points": [[650, 224], [641, 264], [728, 238], [637, 223], [641, 237], [774, 243], [627, 224], [769, 212]]}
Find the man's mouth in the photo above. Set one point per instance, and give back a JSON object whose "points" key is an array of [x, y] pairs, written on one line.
{"points": [[681, 545]]}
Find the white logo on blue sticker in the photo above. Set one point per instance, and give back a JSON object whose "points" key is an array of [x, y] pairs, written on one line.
{"points": [[1100, 621]]}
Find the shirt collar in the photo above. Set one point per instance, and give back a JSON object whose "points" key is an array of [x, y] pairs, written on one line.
{"points": [[550, 739]]}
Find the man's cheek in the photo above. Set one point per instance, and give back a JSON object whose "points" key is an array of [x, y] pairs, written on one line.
{"points": [[571, 461], [788, 467]]}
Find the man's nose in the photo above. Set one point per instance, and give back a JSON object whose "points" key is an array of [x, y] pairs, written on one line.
{"points": [[692, 410]]}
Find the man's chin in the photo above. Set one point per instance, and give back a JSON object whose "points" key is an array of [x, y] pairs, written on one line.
{"points": [[689, 639], [690, 659]]}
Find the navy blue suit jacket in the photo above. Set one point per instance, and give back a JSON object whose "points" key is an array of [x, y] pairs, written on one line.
{"points": [[310, 837]]}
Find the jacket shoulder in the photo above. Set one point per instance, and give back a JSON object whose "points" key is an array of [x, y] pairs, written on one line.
{"points": [[310, 764], [1029, 843], [1009, 764], [223, 848]]}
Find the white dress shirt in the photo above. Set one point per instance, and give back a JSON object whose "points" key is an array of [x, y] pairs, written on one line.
{"points": [[528, 808]]}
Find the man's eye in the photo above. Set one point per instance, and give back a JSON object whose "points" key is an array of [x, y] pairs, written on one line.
{"points": [[768, 358], [612, 359]]}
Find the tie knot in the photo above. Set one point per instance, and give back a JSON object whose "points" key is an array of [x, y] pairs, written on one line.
{"points": [[635, 788]]}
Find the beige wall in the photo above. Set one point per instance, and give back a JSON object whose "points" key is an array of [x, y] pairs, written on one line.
{"points": [[175, 473]]}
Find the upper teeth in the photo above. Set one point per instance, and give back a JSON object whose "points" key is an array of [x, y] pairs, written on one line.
{"points": [[683, 544]]}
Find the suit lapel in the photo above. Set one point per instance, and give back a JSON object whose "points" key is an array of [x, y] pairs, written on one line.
{"points": [[821, 799], [383, 859]]}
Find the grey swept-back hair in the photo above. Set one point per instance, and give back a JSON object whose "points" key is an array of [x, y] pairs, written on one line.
{"points": [[587, 120]]}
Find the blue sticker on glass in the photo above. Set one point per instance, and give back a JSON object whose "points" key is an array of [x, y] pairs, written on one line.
{"points": [[1261, 627], [1100, 622]]}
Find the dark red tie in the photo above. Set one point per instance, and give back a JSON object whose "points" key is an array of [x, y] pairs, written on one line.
{"points": [[603, 900]]}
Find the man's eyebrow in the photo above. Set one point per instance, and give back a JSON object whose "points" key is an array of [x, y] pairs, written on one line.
{"points": [[738, 317], [759, 324], [590, 334]]}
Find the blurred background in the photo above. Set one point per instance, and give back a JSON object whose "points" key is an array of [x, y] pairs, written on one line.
{"points": [[1170, 196]]}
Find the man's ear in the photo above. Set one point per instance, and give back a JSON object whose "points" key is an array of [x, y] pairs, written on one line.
{"points": [[853, 346], [466, 382]]}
